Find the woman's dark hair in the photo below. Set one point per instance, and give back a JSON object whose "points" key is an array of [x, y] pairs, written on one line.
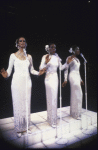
{"points": [[50, 44], [75, 47], [17, 41]]}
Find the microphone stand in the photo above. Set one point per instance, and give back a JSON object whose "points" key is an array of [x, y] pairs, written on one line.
{"points": [[85, 131], [26, 100], [60, 140]]}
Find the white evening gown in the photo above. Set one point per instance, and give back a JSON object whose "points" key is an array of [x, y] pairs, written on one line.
{"points": [[51, 85], [21, 88], [75, 88]]}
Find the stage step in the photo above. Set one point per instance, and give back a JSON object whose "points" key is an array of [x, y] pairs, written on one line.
{"points": [[45, 136]]}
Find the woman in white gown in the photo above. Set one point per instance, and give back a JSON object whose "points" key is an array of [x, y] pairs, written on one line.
{"points": [[21, 85], [75, 83], [51, 63]]}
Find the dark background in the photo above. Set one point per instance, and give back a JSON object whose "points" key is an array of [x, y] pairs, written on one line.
{"points": [[63, 22]]}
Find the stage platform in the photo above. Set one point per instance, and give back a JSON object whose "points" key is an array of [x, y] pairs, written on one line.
{"points": [[45, 136]]}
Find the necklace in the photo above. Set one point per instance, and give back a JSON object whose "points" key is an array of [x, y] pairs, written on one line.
{"points": [[21, 54]]}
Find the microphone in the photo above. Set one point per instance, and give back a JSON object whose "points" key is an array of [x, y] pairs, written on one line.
{"points": [[83, 57]]}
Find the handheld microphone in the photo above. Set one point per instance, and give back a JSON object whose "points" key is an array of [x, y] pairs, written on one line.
{"points": [[83, 57]]}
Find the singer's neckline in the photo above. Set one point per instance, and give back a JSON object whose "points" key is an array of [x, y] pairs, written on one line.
{"points": [[52, 54], [77, 60], [18, 58]]}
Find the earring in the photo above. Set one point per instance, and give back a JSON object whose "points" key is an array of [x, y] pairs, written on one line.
{"points": [[16, 44]]}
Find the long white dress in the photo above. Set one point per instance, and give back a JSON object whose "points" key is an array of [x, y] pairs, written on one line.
{"points": [[75, 87], [21, 88], [51, 85]]}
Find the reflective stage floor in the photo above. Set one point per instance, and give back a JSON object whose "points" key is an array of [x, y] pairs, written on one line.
{"points": [[74, 133]]}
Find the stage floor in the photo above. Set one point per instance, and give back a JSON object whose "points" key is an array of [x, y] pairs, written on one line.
{"points": [[76, 132]]}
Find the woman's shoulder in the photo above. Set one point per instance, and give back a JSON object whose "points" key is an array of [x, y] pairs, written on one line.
{"points": [[29, 55], [12, 55], [44, 55], [69, 57]]}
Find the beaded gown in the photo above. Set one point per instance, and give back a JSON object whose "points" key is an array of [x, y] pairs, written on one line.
{"points": [[75, 87], [51, 86], [21, 89]]}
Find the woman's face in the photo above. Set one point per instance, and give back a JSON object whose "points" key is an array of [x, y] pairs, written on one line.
{"points": [[22, 42], [52, 48], [77, 51]]}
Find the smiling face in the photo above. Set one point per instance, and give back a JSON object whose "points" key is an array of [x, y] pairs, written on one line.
{"points": [[52, 48], [22, 42]]}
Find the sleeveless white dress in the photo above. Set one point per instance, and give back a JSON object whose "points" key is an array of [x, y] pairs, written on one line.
{"points": [[75, 87], [51, 85], [21, 89]]}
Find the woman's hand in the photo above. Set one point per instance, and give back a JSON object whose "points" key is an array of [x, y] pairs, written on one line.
{"points": [[64, 84], [42, 71], [4, 73], [82, 83], [47, 59], [69, 60]]}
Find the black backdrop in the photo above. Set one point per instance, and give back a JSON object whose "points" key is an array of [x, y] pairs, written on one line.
{"points": [[64, 22]]}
